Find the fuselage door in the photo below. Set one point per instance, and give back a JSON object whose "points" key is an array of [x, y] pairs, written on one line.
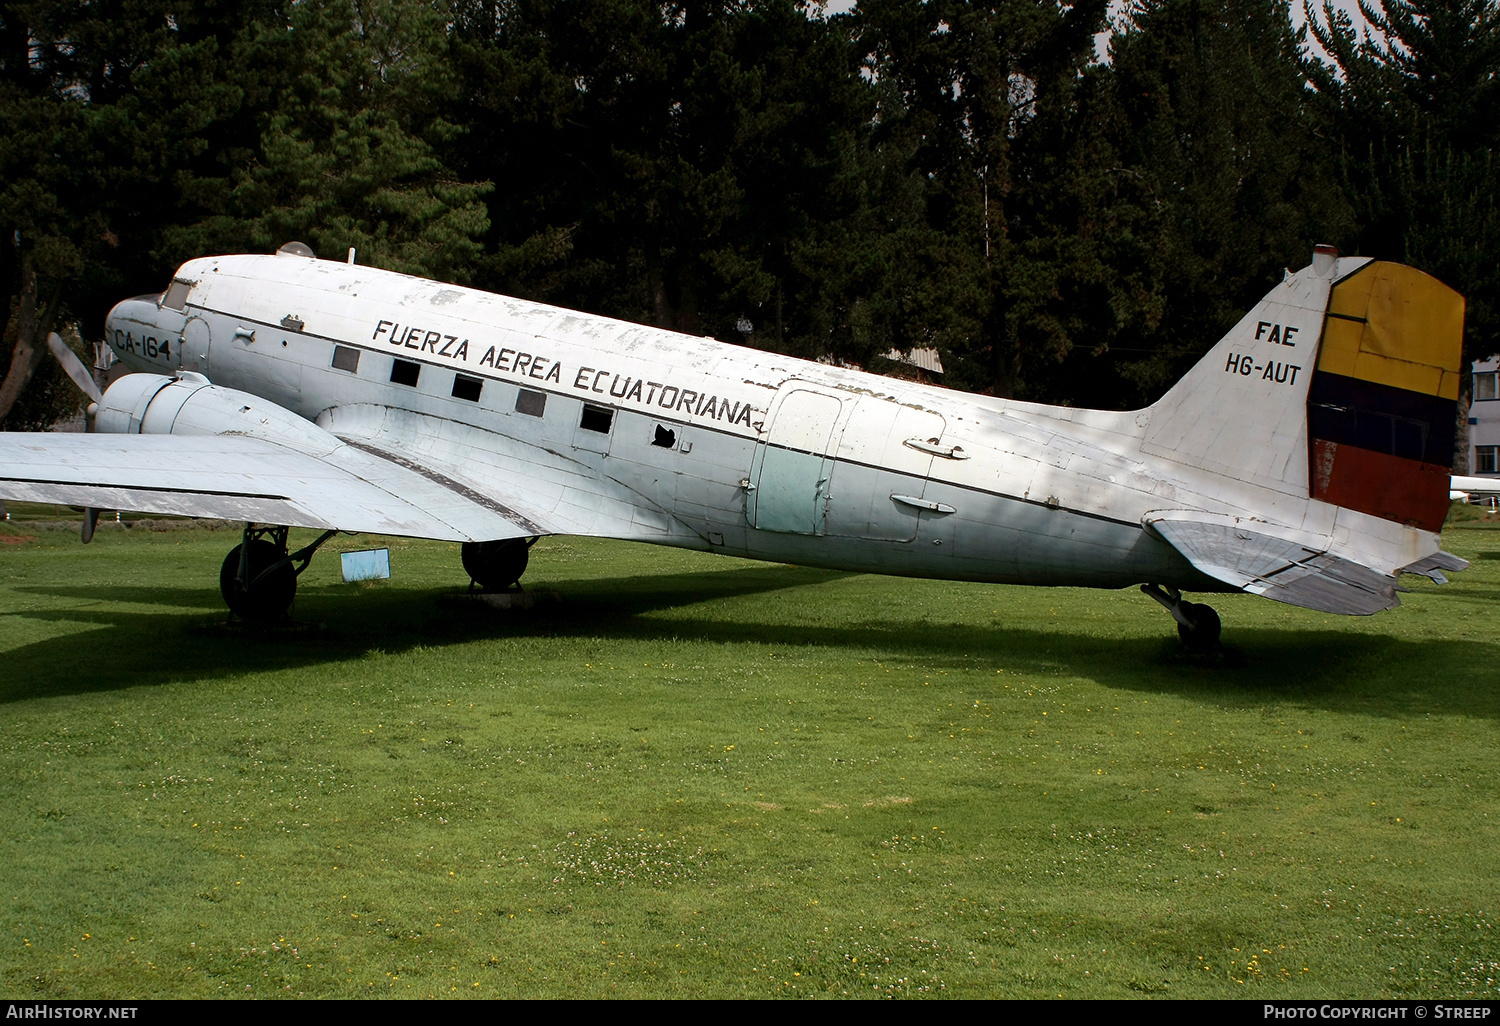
{"points": [[192, 355], [793, 462], [884, 457]]}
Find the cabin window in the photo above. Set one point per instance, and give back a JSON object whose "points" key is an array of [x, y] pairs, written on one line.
{"points": [[533, 404], [1487, 459], [596, 418], [176, 295], [404, 372], [346, 359], [1485, 385], [465, 387], [664, 437]]}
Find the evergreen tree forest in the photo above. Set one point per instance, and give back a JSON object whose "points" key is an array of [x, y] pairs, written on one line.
{"points": [[908, 173]]}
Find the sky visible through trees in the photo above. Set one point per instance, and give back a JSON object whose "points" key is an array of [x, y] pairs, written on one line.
{"points": [[825, 183]]}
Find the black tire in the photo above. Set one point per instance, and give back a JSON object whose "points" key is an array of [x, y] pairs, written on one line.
{"points": [[271, 598], [496, 565], [1204, 633]]}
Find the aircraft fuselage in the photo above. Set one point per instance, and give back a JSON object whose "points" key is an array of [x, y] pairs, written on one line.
{"points": [[704, 444]]}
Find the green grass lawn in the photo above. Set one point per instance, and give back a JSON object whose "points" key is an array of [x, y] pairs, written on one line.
{"points": [[699, 776]]}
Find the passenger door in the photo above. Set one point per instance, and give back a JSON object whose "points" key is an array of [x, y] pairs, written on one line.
{"points": [[790, 471]]}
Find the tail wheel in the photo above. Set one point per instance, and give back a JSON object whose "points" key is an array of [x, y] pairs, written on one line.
{"points": [[1204, 633], [268, 597], [497, 565]]}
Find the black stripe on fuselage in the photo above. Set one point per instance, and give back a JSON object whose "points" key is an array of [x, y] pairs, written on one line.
{"points": [[664, 416], [523, 381]]}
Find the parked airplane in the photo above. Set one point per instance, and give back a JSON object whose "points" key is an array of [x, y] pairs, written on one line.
{"points": [[1473, 489], [1305, 458]]}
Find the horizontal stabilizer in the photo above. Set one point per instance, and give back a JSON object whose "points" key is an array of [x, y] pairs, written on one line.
{"points": [[1278, 568], [1432, 566]]}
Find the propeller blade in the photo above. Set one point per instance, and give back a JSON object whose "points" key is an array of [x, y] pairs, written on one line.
{"points": [[74, 367]]}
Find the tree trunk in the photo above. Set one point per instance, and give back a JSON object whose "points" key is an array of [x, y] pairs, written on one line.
{"points": [[780, 331], [1461, 437], [31, 330], [9, 273], [665, 312]]}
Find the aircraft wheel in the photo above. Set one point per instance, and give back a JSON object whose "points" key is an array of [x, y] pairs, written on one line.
{"points": [[269, 599], [496, 565], [1204, 633]]}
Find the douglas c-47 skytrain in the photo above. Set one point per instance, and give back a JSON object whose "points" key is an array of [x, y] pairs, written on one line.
{"points": [[1304, 458]]}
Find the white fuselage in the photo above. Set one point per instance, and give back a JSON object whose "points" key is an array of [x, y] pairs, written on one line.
{"points": [[623, 430]]}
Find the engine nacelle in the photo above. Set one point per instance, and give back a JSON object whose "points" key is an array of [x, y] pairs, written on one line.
{"points": [[188, 404]]}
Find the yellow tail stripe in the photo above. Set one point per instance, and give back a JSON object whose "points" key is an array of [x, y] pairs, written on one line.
{"points": [[1394, 325]]}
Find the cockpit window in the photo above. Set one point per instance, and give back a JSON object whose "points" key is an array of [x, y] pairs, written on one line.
{"points": [[176, 296]]}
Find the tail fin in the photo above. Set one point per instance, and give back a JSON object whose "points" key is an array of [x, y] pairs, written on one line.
{"points": [[1341, 385], [1241, 411]]}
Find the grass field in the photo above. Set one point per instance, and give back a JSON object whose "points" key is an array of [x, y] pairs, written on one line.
{"points": [[697, 776]]}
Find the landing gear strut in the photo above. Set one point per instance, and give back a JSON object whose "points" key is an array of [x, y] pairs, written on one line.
{"points": [[259, 578], [497, 565], [1197, 624]]}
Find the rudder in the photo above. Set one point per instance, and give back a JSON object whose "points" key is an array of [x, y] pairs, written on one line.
{"points": [[1382, 404]]}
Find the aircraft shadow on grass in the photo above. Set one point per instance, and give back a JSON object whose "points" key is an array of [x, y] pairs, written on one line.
{"points": [[1481, 593], [185, 598], [1329, 669]]}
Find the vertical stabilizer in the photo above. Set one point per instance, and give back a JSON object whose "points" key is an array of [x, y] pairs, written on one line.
{"points": [[1241, 411]]}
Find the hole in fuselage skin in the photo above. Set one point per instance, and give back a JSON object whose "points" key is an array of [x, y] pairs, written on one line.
{"points": [[664, 438]]}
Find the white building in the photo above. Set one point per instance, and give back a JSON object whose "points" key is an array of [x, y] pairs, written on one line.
{"points": [[1484, 419]]}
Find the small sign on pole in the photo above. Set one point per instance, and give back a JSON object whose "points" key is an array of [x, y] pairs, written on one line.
{"points": [[367, 565]]}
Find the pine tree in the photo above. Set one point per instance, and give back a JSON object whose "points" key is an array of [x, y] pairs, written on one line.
{"points": [[1416, 112], [349, 109], [683, 164], [1213, 115], [971, 95], [98, 102]]}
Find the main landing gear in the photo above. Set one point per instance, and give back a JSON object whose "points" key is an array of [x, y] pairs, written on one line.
{"points": [[497, 565], [1197, 624], [259, 577]]}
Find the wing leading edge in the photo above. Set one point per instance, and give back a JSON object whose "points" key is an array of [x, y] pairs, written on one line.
{"points": [[238, 477]]}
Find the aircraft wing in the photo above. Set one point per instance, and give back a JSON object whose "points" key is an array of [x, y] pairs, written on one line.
{"points": [[238, 477], [1287, 571], [1469, 485]]}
